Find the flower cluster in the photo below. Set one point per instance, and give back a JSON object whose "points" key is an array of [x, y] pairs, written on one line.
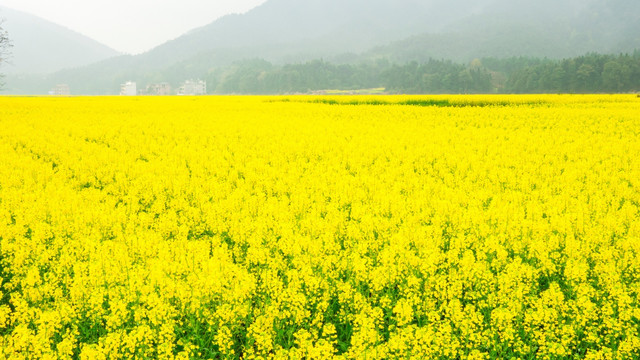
{"points": [[459, 227]]}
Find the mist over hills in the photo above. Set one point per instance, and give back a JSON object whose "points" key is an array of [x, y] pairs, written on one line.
{"points": [[40, 46], [279, 29], [357, 31], [293, 30], [545, 28]]}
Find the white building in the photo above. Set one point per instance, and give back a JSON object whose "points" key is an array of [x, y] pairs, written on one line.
{"points": [[128, 89], [193, 87]]}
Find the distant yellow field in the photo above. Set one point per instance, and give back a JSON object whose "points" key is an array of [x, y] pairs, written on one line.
{"points": [[364, 227]]}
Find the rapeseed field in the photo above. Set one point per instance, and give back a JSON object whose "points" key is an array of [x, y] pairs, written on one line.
{"points": [[366, 227]]}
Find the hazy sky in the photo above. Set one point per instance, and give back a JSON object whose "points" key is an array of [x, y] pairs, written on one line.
{"points": [[131, 26]]}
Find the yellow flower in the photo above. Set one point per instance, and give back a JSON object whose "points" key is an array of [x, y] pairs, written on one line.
{"points": [[357, 227]]}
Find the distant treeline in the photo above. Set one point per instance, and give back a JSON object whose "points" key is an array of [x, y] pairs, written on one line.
{"points": [[585, 74], [593, 73], [261, 77]]}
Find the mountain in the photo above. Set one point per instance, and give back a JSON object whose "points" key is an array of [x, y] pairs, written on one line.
{"points": [[282, 29], [295, 31], [278, 30], [544, 28], [40, 46]]}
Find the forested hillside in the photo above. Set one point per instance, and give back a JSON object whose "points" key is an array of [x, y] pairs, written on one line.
{"points": [[288, 46], [545, 28], [591, 73]]}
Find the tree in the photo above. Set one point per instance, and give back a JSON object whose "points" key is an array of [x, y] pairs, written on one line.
{"points": [[5, 45], [614, 76], [586, 78]]}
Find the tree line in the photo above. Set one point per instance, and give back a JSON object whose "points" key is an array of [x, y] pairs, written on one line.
{"points": [[435, 76], [592, 73]]}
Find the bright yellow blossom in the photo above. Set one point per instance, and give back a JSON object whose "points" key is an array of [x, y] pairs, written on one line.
{"points": [[300, 227]]}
